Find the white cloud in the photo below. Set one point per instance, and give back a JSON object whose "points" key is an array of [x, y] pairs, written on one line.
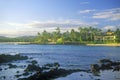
{"points": [[31, 28], [87, 11], [15, 24], [109, 14], [84, 3], [109, 27]]}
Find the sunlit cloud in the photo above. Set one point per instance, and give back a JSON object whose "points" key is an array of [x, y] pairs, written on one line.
{"points": [[109, 14], [31, 28], [111, 27], [87, 11], [59, 23], [15, 24]]}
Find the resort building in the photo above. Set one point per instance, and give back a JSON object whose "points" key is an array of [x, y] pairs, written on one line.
{"points": [[107, 37]]}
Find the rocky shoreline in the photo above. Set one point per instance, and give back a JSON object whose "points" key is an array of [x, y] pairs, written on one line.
{"points": [[8, 58], [53, 70], [85, 44], [114, 44]]}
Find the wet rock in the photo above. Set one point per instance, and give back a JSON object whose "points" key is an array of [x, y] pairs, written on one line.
{"points": [[106, 66], [34, 62], [5, 69], [33, 67], [45, 68], [48, 65], [56, 64], [116, 68], [103, 61], [17, 76], [115, 63], [0, 69], [25, 74], [12, 66], [53, 73], [81, 74], [17, 72], [97, 79], [95, 67], [7, 58]]}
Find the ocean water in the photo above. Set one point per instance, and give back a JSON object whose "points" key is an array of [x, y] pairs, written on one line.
{"points": [[68, 56]]}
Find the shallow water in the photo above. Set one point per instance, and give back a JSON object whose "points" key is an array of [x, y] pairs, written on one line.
{"points": [[69, 56], [104, 75]]}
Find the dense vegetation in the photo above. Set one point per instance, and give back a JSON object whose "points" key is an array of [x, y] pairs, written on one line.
{"points": [[81, 36], [18, 39]]}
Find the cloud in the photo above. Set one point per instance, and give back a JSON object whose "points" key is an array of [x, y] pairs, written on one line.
{"points": [[59, 23], [109, 14], [84, 3], [111, 27], [87, 11], [14, 24], [13, 29], [16, 33]]}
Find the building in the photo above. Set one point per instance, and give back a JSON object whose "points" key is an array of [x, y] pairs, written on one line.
{"points": [[108, 36]]}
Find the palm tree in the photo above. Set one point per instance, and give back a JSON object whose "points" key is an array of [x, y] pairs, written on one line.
{"points": [[80, 32]]}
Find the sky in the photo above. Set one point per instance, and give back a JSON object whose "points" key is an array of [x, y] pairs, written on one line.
{"points": [[28, 17]]}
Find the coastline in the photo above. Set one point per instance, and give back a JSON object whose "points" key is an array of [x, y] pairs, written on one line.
{"points": [[27, 43], [114, 44], [15, 43]]}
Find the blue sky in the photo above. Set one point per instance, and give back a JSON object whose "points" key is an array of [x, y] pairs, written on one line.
{"points": [[27, 17]]}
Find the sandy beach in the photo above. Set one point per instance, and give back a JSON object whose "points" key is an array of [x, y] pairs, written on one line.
{"points": [[103, 44]]}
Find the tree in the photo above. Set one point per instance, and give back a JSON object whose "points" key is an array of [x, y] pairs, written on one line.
{"points": [[80, 31], [44, 36], [73, 35], [117, 34]]}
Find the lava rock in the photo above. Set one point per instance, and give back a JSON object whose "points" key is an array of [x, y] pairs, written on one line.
{"points": [[32, 67], [34, 62], [12, 66], [95, 67]]}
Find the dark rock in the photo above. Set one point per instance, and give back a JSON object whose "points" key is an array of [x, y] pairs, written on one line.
{"points": [[5, 69], [12, 66], [106, 66], [7, 58], [18, 76], [17, 72], [48, 65], [81, 74], [25, 74], [115, 63], [105, 61], [53, 73], [34, 62], [95, 67], [56, 64], [0, 69], [32, 67], [97, 79], [45, 68], [116, 68]]}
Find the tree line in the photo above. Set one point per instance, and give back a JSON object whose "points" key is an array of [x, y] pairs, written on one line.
{"points": [[82, 35]]}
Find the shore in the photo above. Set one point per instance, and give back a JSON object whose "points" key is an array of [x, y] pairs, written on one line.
{"points": [[17, 43], [114, 44]]}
